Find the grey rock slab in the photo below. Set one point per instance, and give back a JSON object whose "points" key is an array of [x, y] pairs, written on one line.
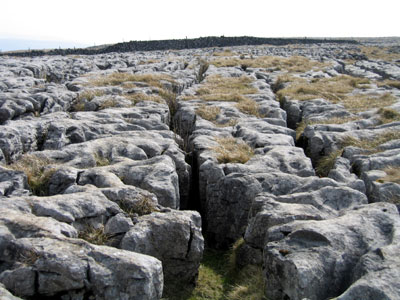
{"points": [[157, 175], [118, 224], [289, 160], [71, 267], [325, 203], [315, 259], [76, 208], [24, 224], [13, 183], [174, 238]]}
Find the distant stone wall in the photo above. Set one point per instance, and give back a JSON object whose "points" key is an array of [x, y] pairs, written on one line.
{"points": [[202, 42]]}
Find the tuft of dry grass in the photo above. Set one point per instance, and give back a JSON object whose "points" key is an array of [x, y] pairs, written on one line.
{"points": [[389, 83], [209, 113], [201, 73], [371, 146], [388, 115], [392, 175], [110, 102], [89, 95], [231, 150], [335, 120], [333, 89], [336, 89], [143, 206], [37, 172], [138, 97], [218, 88], [381, 53], [373, 143], [123, 78], [93, 235], [326, 163], [101, 160], [294, 64], [249, 106], [86, 96], [226, 52], [358, 103]]}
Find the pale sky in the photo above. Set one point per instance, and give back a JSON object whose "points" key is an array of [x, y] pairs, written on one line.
{"points": [[99, 22]]}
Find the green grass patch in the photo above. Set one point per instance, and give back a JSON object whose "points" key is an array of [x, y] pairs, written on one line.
{"points": [[219, 280]]}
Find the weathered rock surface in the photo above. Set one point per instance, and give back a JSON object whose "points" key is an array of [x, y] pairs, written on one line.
{"points": [[319, 259], [115, 144], [174, 238]]}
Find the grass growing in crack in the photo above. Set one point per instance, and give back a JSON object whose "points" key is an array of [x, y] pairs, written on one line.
{"points": [[138, 97], [292, 64], [37, 171], [209, 113], [387, 83], [335, 120], [142, 207], [326, 163], [249, 106], [382, 53], [121, 78], [218, 88], [201, 73], [231, 150], [392, 175], [333, 89], [388, 115], [357, 103], [93, 235], [371, 146], [373, 143], [336, 89], [101, 160], [108, 103], [226, 52], [219, 279]]}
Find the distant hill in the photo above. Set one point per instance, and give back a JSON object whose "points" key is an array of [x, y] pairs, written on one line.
{"points": [[175, 44], [22, 44]]}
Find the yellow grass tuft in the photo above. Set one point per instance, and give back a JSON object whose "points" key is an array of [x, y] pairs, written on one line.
{"points": [[298, 64], [37, 171], [373, 143], [218, 88], [388, 115], [138, 97], [227, 52], [231, 150], [381, 53], [93, 235], [389, 83], [326, 163], [209, 113], [249, 106], [392, 175], [123, 78]]}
